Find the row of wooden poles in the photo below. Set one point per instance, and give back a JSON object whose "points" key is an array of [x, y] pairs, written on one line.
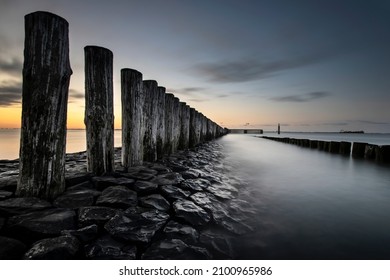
{"points": [[154, 123], [357, 149]]}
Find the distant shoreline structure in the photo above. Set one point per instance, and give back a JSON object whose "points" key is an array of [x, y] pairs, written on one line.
{"points": [[352, 131]]}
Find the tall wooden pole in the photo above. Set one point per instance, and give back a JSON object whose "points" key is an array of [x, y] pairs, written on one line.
{"points": [[160, 140], [46, 76], [132, 117], [99, 109], [150, 118]]}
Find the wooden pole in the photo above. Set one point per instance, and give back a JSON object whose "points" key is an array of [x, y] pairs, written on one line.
{"points": [[150, 117], [99, 110], [160, 141], [169, 98], [46, 76], [132, 117], [184, 126]]}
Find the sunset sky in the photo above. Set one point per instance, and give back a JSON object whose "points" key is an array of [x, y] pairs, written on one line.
{"points": [[310, 65]]}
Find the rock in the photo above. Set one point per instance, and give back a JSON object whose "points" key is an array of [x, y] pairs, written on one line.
{"points": [[107, 248], [144, 187], [171, 178], [238, 207], [101, 183], [140, 173], [75, 199], [211, 204], [160, 168], [195, 185], [190, 212], [2, 222], [190, 174], [137, 227], [11, 249], [40, 224], [82, 186], [58, 248], [98, 215], [5, 195], [175, 249], [155, 201], [76, 178], [217, 243], [174, 230], [8, 183], [84, 235], [20, 205], [173, 193], [117, 197], [224, 191], [176, 167]]}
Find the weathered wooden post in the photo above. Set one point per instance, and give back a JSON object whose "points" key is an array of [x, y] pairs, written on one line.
{"points": [[46, 76], [99, 110], [358, 149], [150, 117], [160, 138], [192, 131], [345, 148], [184, 123], [175, 124], [132, 117], [169, 98]]}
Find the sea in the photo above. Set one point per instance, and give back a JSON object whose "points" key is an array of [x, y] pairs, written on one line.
{"points": [[309, 204]]}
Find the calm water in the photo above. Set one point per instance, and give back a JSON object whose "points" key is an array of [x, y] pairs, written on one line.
{"points": [[312, 204]]}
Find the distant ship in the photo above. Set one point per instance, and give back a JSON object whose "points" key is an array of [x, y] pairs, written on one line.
{"points": [[351, 131]]}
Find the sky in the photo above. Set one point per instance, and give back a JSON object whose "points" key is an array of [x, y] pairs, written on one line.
{"points": [[310, 65]]}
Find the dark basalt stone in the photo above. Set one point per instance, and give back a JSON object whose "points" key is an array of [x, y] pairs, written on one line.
{"points": [[98, 215], [190, 212], [223, 191], [144, 187], [117, 197], [8, 183], [58, 248], [140, 173], [136, 227], [76, 178], [195, 185], [40, 224], [11, 249], [155, 201], [5, 195], [75, 199], [107, 248], [171, 178], [84, 235], [217, 243], [173, 193], [186, 233], [101, 183], [20, 205], [190, 174], [175, 249]]}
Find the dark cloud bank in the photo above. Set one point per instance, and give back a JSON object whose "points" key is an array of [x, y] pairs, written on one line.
{"points": [[306, 97]]}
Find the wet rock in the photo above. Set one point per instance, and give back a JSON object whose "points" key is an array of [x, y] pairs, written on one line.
{"points": [[175, 249], [20, 205], [223, 191], [5, 195], [137, 227], [238, 207], [171, 178], [75, 199], [177, 167], [211, 204], [190, 174], [144, 187], [107, 248], [76, 178], [101, 183], [155, 201], [190, 212], [140, 173], [58, 248], [160, 168], [9, 183], [84, 235], [98, 215], [173, 193], [174, 230], [11, 249], [40, 224], [117, 197], [217, 243], [195, 185]]}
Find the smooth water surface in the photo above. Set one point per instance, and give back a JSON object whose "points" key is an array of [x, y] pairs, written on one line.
{"points": [[311, 204]]}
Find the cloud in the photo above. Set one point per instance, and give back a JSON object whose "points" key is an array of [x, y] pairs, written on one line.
{"points": [[10, 93], [75, 94], [372, 122], [251, 69], [306, 97], [190, 91], [13, 67], [336, 123]]}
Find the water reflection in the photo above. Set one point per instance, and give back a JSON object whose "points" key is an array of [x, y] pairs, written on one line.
{"points": [[311, 204]]}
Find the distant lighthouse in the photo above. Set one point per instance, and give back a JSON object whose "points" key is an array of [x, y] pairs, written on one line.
{"points": [[278, 128]]}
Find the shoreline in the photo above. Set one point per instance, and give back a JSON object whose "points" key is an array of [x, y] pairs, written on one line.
{"points": [[180, 207]]}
